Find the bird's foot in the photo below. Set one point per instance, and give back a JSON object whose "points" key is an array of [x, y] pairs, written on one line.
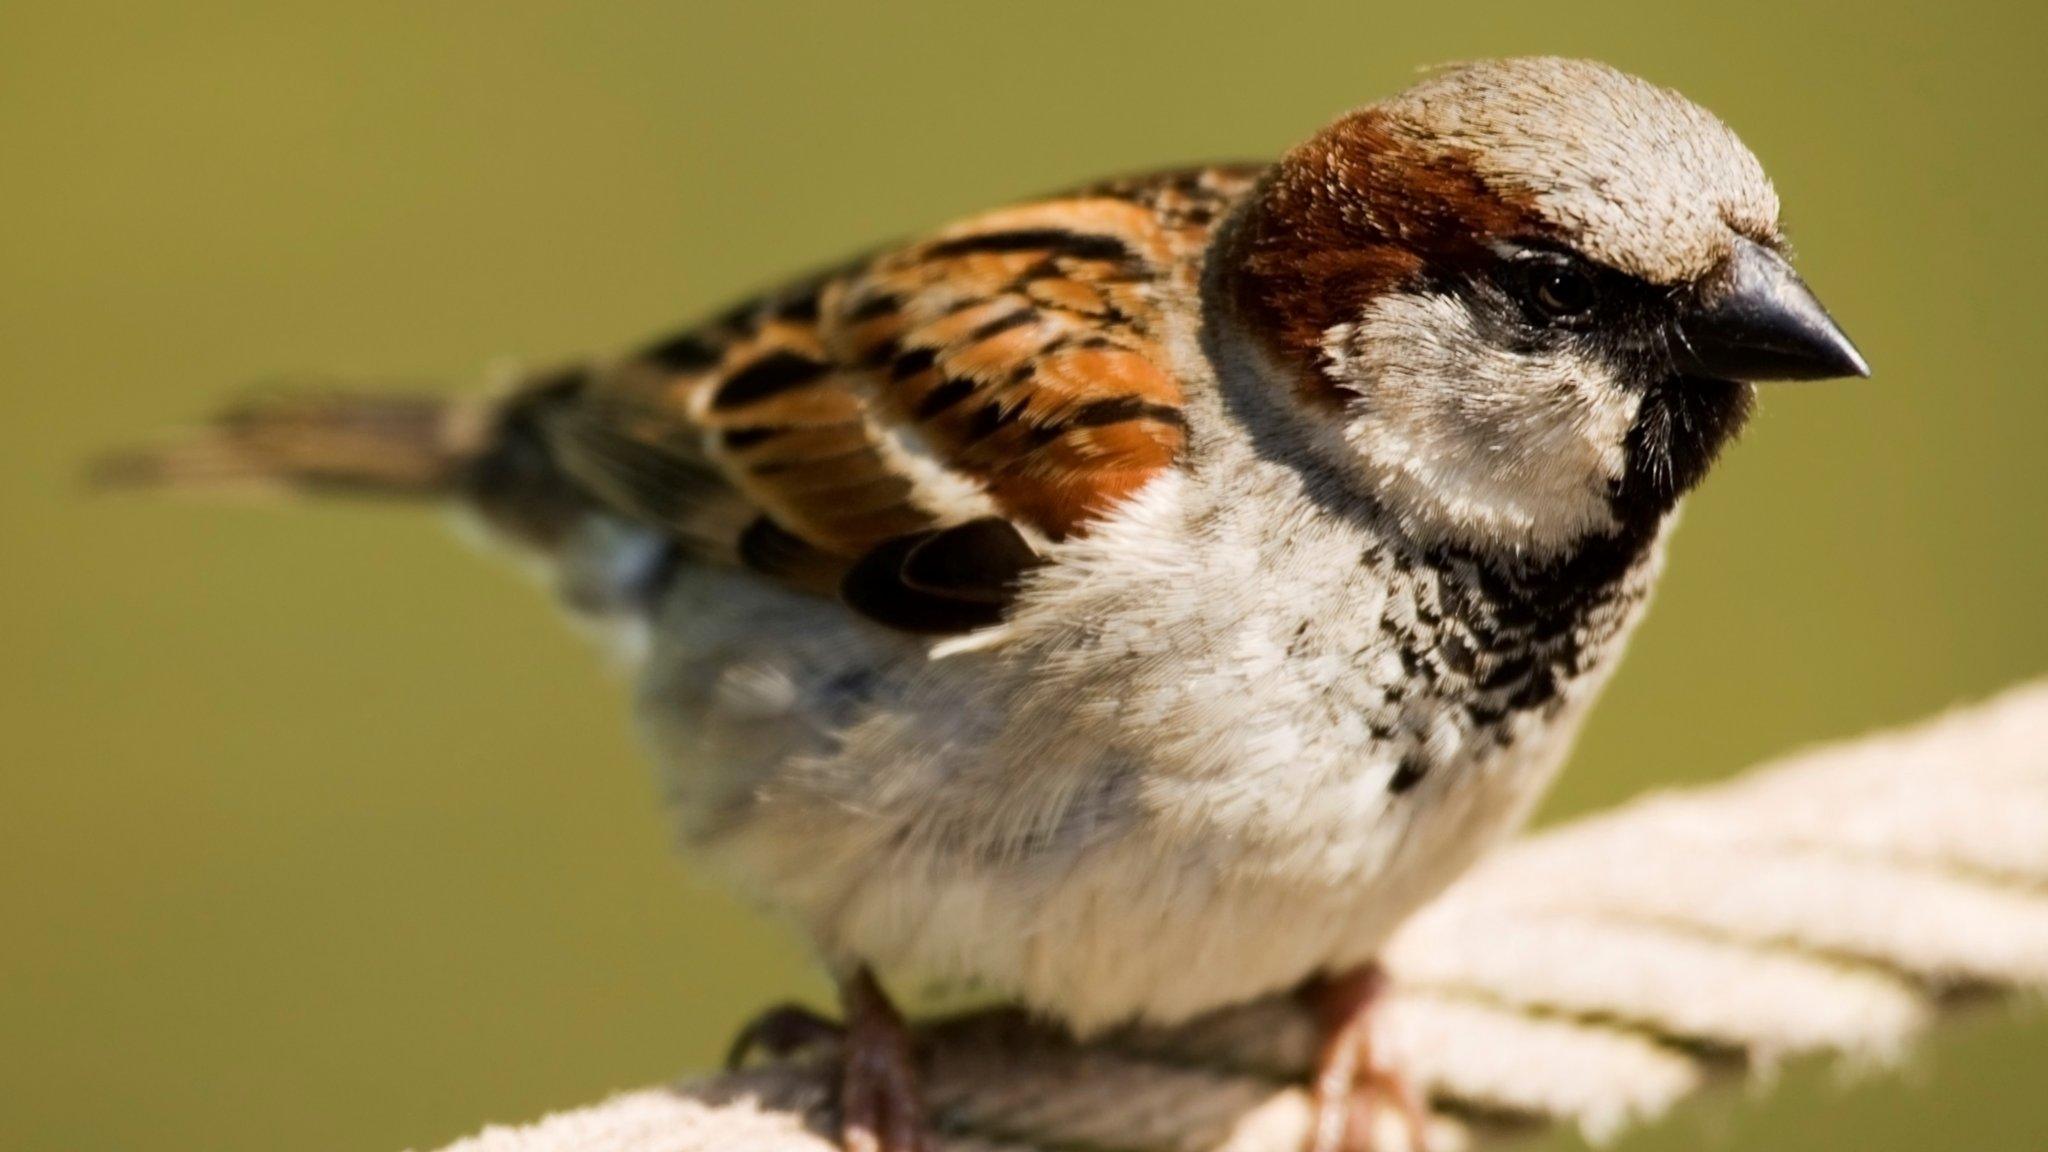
{"points": [[1349, 1085], [880, 1106]]}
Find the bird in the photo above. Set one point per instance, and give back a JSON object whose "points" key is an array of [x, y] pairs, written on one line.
{"points": [[1137, 600]]}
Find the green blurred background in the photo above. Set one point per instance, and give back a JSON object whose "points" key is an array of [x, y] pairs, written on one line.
{"points": [[321, 831]]}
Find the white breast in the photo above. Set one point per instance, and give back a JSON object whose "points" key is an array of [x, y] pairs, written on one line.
{"points": [[1162, 792]]}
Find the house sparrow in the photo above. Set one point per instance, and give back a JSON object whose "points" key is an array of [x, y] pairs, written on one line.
{"points": [[1139, 600]]}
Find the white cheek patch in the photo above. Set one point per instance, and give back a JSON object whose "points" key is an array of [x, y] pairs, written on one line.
{"points": [[1468, 442]]}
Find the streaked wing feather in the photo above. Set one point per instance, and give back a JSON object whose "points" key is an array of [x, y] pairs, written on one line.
{"points": [[911, 423]]}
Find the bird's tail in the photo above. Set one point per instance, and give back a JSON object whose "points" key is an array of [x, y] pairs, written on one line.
{"points": [[489, 454], [316, 442]]}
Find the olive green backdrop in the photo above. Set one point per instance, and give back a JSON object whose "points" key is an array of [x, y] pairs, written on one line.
{"points": [[319, 830]]}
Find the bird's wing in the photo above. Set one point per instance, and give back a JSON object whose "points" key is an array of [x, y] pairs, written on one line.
{"points": [[910, 430]]}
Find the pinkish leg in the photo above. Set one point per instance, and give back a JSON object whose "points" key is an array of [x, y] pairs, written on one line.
{"points": [[1347, 1083], [880, 1106]]}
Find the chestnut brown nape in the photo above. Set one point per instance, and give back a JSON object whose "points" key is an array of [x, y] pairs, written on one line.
{"points": [[1359, 211]]}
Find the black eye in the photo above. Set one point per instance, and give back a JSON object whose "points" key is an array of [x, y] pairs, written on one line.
{"points": [[1558, 290]]}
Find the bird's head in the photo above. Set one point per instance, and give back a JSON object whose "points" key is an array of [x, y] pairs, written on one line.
{"points": [[1527, 298]]}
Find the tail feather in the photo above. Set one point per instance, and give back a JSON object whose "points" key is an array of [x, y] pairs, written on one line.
{"points": [[379, 445], [496, 457], [488, 454]]}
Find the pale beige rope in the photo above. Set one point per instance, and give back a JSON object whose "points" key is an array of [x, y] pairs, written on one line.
{"points": [[1592, 975]]}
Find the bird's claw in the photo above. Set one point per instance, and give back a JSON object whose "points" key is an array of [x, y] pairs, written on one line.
{"points": [[781, 1032]]}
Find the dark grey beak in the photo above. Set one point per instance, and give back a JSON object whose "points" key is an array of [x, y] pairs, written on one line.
{"points": [[1755, 319]]}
